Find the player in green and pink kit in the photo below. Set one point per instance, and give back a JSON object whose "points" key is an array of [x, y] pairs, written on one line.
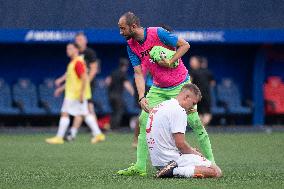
{"points": [[167, 81]]}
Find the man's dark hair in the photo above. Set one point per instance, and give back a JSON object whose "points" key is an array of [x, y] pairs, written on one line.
{"points": [[204, 62], [75, 45], [193, 88], [123, 62], [131, 19]]}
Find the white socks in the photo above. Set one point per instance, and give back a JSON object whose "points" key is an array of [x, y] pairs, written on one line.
{"points": [[73, 132], [184, 171], [63, 125], [92, 123], [65, 121]]}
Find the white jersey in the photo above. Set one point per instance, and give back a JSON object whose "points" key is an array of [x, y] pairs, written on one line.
{"points": [[164, 120]]}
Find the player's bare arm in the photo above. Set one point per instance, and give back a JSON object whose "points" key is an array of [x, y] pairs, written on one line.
{"points": [[58, 91], [60, 80], [182, 48], [84, 78], [183, 146], [127, 85], [93, 70], [140, 84]]}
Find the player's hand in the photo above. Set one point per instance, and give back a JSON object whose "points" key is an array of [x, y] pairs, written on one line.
{"points": [[57, 92], [57, 82], [144, 105], [197, 152], [165, 62]]}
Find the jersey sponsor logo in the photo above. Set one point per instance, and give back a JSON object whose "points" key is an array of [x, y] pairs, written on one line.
{"points": [[145, 53]]}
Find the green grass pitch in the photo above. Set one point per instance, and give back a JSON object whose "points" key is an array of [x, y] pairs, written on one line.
{"points": [[247, 161]]}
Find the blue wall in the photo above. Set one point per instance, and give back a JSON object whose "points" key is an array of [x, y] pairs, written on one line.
{"points": [[40, 61], [180, 14]]}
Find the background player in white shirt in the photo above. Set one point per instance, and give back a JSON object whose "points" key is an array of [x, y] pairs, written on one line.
{"points": [[168, 149]]}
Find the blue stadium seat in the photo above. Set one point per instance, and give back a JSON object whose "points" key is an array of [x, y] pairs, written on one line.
{"points": [[100, 97], [25, 95], [51, 103], [130, 104], [229, 94], [215, 109], [6, 100]]}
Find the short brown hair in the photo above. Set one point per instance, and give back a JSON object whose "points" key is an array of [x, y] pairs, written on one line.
{"points": [[74, 44], [80, 33], [193, 88], [131, 18]]}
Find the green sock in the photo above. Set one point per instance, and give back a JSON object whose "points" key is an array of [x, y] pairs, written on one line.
{"points": [[142, 149], [201, 134]]}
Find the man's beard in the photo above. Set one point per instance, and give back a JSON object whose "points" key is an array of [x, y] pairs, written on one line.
{"points": [[131, 35]]}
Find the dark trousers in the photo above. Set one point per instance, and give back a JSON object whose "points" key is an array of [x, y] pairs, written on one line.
{"points": [[117, 106]]}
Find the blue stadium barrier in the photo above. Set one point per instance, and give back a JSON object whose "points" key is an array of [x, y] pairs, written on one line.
{"points": [[215, 108], [6, 107], [46, 95], [25, 95], [229, 94], [100, 98], [130, 104], [112, 36]]}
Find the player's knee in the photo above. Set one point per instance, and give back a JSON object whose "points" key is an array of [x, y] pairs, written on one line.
{"points": [[218, 171], [64, 114]]}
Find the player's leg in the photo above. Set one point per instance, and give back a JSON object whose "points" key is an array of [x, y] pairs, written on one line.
{"points": [[63, 126], [154, 97], [118, 110], [98, 134], [198, 172], [136, 134], [91, 109], [139, 168], [190, 166], [77, 122], [92, 123], [201, 134], [207, 172], [195, 124]]}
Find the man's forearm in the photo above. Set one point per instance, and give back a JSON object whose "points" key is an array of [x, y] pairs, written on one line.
{"points": [[185, 148], [180, 52], [127, 85], [93, 70], [140, 84]]}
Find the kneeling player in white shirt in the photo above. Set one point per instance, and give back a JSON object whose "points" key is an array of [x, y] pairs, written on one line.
{"points": [[169, 151]]}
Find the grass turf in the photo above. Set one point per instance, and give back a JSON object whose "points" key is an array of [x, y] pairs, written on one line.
{"points": [[247, 161]]}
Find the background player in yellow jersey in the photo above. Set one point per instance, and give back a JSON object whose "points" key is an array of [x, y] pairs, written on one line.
{"points": [[77, 92], [91, 61]]}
